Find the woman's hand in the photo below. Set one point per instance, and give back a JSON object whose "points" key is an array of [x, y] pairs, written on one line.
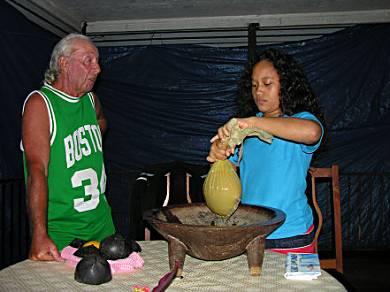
{"points": [[224, 133], [217, 150], [244, 123]]}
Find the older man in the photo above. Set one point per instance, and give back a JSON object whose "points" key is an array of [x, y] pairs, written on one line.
{"points": [[62, 131]]}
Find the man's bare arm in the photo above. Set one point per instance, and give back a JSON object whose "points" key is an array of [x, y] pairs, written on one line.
{"points": [[36, 144], [100, 115]]}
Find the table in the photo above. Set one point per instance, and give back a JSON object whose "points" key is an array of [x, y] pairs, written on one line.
{"points": [[198, 275]]}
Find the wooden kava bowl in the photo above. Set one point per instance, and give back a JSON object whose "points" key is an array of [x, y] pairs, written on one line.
{"points": [[195, 230]]}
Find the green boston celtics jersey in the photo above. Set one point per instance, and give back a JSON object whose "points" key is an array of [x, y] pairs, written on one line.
{"points": [[77, 206]]}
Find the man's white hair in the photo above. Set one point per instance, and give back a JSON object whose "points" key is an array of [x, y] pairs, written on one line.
{"points": [[62, 48]]}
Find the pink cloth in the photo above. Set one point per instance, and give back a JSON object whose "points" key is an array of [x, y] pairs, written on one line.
{"points": [[129, 264]]}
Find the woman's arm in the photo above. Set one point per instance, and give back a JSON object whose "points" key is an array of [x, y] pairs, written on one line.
{"points": [[293, 129]]}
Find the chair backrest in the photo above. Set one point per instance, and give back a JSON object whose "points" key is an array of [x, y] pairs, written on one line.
{"points": [[183, 184], [167, 198], [333, 174]]}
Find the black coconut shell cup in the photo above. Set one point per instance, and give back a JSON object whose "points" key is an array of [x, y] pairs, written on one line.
{"points": [[116, 247], [85, 251], [77, 243], [93, 270]]}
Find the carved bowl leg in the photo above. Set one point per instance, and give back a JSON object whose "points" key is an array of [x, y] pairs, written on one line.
{"points": [[177, 252], [255, 254]]}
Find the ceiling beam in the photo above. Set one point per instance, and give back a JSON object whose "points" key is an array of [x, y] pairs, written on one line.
{"points": [[222, 22], [48, 16]]}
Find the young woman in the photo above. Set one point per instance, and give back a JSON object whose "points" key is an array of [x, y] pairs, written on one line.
{"points": [[276, 97]]}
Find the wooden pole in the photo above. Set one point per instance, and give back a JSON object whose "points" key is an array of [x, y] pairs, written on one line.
{"points": [[252, 27]]}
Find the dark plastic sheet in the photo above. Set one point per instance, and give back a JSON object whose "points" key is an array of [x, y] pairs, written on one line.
{"points": [[164, 103]]}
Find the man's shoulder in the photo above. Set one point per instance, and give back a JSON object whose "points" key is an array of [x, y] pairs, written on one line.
{"points": [[35, 99]]}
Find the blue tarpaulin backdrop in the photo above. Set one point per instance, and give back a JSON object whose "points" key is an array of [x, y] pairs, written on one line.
{"points": [[164, 103]]}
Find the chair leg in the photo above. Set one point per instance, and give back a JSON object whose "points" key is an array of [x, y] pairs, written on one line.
{"points": [[318, 212], [147, 233], [166, 200], [188, 176], [337, 218], [332, 173]]}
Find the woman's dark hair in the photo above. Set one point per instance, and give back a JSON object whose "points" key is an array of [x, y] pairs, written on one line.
{"points": [[296, 94]]}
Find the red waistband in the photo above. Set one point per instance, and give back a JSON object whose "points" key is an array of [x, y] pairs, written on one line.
{"points": [[302, 249]]}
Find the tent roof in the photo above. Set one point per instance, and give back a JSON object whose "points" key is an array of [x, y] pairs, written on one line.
{"points": [[201, 21]]}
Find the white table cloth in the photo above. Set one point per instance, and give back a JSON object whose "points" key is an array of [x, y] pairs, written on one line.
{"points": [[198, 275]]}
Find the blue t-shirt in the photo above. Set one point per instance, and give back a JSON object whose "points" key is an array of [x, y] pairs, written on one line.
{"points": [[274, 175]]}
